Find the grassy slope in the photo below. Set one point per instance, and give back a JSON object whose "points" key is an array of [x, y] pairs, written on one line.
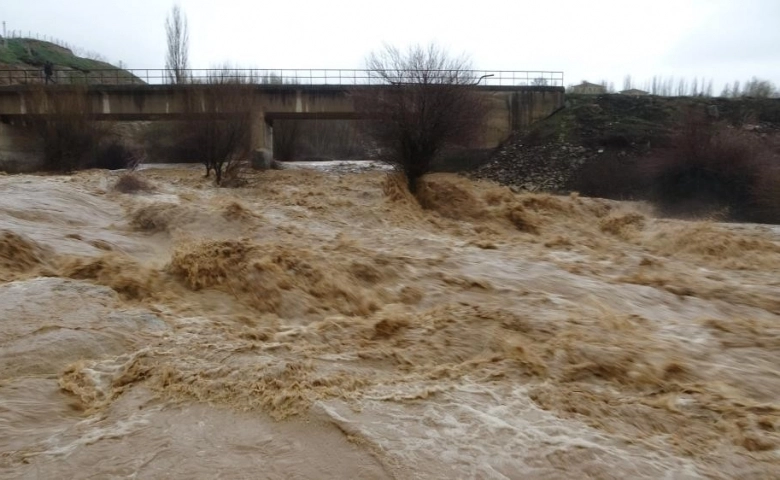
{"points": [[32, 54]]}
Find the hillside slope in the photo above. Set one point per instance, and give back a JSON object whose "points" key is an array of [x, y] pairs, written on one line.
{"points": [[22, 60], [613, 130]]}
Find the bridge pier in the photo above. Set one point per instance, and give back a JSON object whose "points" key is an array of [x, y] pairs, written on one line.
{"points": [[261, 140]]}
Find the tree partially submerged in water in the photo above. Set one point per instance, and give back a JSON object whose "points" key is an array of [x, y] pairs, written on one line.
{"points": [[217, 128], [427, 105]]}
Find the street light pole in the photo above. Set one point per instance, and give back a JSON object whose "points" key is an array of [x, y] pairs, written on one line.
{"points": [[484, 76]]}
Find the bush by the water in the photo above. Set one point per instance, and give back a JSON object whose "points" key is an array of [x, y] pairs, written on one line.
{"points": [[70, 139], [131, 182], [711, 165]]}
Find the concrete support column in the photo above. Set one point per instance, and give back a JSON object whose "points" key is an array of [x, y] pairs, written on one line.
{"points": [[261, 141]]}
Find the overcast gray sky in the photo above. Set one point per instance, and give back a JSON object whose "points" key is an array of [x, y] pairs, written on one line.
{"points": [[724, 40]]}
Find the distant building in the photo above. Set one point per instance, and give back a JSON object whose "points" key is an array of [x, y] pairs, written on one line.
{"points": [[634, 92], [587, 88]]}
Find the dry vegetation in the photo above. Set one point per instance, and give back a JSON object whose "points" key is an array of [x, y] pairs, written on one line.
{"points": [[218, 128], [705, 168], [715, 165], [70, 138], [132, 183], [427, 104]]}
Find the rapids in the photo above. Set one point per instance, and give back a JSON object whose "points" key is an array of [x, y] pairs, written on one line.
{"points": [[319, 323]]}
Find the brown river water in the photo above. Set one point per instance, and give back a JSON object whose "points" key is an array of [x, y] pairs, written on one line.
{"points": [[321, 324]]}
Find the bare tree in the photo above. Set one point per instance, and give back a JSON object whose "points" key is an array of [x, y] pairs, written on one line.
{"points": [[217, 129], [427, 104], [682, 88], [177, 33], [627, 85], [669, 87], [759, 88], [539, 82]]}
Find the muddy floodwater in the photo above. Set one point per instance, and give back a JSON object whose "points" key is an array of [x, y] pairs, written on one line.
{"points": [[319, 323]]}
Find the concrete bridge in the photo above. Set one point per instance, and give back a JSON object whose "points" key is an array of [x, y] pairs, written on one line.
{"points": [[511, 107]]}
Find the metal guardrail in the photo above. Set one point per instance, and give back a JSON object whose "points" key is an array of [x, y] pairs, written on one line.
{"points": [[308, 76]]}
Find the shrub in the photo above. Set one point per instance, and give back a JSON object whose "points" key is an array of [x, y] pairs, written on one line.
{"points": [[710, 165], [131, 183], [234, 174], [610, 175], [70, 137], [62, 120], [114, 154], [766, 195]]}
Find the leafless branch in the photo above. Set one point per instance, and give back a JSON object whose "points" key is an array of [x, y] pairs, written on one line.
{"points": [[176, 60]]}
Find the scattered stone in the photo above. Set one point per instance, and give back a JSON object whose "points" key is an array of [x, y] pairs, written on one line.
{"points": [[545, 168]]}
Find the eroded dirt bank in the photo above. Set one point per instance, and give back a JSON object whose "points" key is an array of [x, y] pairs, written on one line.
{"points": [[322, 325]]}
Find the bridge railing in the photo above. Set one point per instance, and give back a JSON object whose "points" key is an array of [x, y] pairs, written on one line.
{"points": [[336, 77]]}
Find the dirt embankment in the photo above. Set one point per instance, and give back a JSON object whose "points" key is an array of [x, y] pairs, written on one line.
{"points": [[601, 139]]}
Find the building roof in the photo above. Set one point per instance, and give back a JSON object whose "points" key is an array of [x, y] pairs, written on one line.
{"points": [[635, 91], [589, 84]]}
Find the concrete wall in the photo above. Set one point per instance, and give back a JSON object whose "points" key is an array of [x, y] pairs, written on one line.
{"points": [[514, 110]]}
